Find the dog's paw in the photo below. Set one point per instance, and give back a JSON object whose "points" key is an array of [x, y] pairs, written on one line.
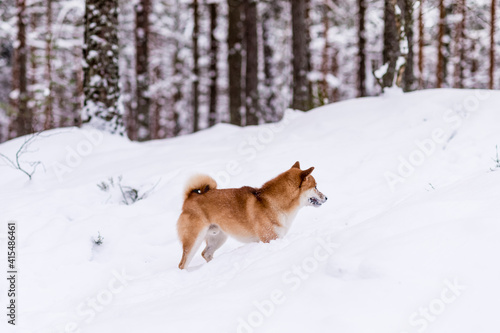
{"points": [[207, 256]]}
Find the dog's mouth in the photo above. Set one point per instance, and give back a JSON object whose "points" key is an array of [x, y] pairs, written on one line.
{"points": [[315, 202]]}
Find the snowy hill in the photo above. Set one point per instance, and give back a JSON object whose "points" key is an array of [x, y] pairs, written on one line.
{"points": [[407, 242]]}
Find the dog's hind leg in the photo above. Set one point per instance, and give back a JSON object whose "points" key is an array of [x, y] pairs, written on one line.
{"points": [[192, 231], [215, 238]]}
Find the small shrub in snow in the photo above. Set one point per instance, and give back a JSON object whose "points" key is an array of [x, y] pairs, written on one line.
{"points": [[99, 239], [105, 187], [127, 194], [496, 160]]}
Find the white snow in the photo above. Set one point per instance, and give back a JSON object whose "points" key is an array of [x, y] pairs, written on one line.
{"points": [[400, 62], [14, 94], [408, 240], [333, 81], [94, 80], [380, 72], [92, 54], [98, 40], [314, 76]]}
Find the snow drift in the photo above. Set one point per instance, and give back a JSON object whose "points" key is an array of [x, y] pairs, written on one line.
{"points": [[407, 241]]}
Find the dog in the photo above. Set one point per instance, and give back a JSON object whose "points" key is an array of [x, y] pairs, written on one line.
{"points": [[248, 214]]}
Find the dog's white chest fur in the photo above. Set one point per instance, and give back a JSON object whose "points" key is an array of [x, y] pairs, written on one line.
{"points": [[286, 221]]}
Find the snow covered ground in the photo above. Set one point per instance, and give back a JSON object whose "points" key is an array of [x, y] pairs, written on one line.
{"points": [[407, 242]]}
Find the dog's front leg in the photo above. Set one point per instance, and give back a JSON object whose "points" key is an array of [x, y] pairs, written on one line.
{"points": [[267, 234]]}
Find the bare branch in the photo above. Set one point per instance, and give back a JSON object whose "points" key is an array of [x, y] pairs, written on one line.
{"points": [[16, 164]]}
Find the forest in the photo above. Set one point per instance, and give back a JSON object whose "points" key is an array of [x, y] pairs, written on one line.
{"points": [[152, 69], [165, 166]]}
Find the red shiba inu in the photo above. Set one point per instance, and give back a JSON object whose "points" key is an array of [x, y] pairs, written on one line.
{"points": [[248, 214]]}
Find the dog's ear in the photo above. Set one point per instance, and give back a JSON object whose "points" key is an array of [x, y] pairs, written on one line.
{"points": [[306, 173], [296, 165]]}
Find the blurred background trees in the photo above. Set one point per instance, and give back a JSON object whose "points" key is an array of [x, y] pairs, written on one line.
{"points": [[180, 66]]}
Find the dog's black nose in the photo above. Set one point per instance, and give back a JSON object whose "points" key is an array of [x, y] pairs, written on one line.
{"points": [[326, 198]]}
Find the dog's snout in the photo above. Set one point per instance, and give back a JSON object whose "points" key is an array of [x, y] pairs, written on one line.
{"points": [[326, 198]]}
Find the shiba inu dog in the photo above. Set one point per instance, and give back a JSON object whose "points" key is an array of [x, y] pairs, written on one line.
{"points": [[248, 214]]}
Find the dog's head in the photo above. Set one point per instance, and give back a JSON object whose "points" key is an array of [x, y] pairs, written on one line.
{"points": [[309, 193]]}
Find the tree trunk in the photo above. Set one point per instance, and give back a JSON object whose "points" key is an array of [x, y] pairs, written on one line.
{"points": [[24, 114], [440, 60], [102, 106], [335, 72], [421, 44], [252, 64], [214, 72], [127, 89], [75, 116], [407, 15], [361, 48], [300, 46], [390, 52], [175, 129], [234, 44], [269, 112], [492, 44], [142, 106], [474, 62], [157, 99], [33, 76], [458, 75], [325, 59], [196, 68], [310, 88], [23, 118], [49, 118]]}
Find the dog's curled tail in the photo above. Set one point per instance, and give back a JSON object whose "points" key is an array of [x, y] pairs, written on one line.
{"points": [[199, 184]]}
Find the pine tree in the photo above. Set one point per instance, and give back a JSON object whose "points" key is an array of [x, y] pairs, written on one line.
{"points": [[310, 86], [214, 70], [252, 63], [361, 48], [74, 117], [179, 100], [460, 47], [270, 20], [142, 103], [407, 17], [300, 46], [196, 68], [492, 44], [34, 15], [62, 60], [440, 68], [325, 58], [335, 72], [234, 59], [22, 123], [421, 43], [391, 50], [102, 105], [49, 117]]}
